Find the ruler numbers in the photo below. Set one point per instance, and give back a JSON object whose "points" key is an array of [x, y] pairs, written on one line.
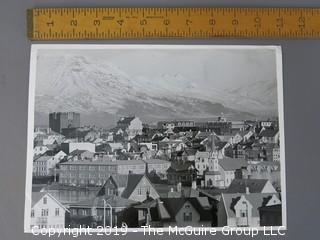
{"points": [[133, 23]]}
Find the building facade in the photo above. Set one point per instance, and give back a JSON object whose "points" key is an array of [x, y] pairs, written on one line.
{"points": [[62, 120], [46, 211]]}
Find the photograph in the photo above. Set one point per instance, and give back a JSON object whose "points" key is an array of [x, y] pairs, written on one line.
{"points": [[155, 135]]}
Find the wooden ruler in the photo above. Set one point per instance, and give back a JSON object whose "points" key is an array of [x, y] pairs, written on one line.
{"points": [[172, 23]]}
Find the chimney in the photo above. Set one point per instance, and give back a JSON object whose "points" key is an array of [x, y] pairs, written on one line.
{"points": [[194, 185], [179, 187], [247, 190]]}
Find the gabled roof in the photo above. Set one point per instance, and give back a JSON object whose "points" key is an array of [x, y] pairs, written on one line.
{"points": [[190, 151], [254, 185], [42, 158], [77, 152], [268, 133], [173, 206], [221, 145], [257, 200], [133, 181], [232, 164], [119, 180], [37, 196]]}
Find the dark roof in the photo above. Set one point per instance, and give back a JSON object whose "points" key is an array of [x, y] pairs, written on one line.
{"points": [[231, 164], [254, 185], [220, 144], [133, 180], [173, 206], [77, 152], [190, 151], [176, 167], [118, 180], [268, 133]]}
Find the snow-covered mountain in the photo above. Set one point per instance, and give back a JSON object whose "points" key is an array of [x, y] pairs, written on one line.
{"points": [[101, 93]]}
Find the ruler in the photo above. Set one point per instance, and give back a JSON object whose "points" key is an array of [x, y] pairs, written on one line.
{"points": [[172, 23]]}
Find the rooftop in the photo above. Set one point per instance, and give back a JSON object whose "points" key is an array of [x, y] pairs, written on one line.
{"points": [[231, 164]]}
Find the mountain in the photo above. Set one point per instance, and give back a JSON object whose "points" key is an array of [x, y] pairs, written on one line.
{"points": [[102, 93]]}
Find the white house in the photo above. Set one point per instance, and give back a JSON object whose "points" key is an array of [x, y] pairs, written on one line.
{"points": [[139, 188], [46, 211], [69, 147], [276, 154], [242, 209], [44, 165], [202, 161], [269, 136], [131, 125], [227, 168]]}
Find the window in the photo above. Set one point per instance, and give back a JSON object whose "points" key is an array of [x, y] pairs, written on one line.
{"points": [[32, 213], [187, 216], [57, 212], [243, 213], [45, 200], [44, 212]]}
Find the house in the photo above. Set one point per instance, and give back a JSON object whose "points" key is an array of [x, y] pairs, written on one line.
{"points": [[79, 155], [39, 150], [176, 191], [276, 154], [212, 176], [46, 211], [227, 169], [139, 188], [180, 212], [157, 165], [265, 170], [44, 165], [202, 161], [251, 185], [99, 210], [114, 185], [242, 209], [181, 171], [189, 154], [131, 125], [271, 215], [113, 147], [70, 146], [269, 135]]}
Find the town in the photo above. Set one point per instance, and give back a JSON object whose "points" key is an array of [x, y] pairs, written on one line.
{"points": [[173, 173]]}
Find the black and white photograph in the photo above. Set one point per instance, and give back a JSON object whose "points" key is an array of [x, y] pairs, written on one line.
{"points": [[155, 135]]}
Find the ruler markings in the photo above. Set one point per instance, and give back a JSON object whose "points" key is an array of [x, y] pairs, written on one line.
{"points": [[105, 23]]}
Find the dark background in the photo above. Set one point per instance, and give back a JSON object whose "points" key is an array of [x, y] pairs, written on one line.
{"points": [[301, 69]]}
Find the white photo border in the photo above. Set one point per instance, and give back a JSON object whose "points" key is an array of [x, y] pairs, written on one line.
{"points": [[31, 105]]}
